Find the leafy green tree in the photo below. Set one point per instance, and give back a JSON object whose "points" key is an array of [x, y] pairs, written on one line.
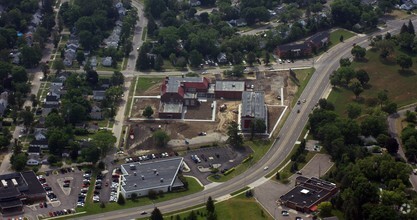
{"points": [[381, 212], [160, 138], [90, 154], [325, 209], [358, 52], [31, 56], [195, 58], [19, 74], [267, 58], [235, 139], [354, 110], [382, 97], [251, 58], [156, 214], [411, 27], [392, 146], [192, 215], [356, 88], [104, 140], [386, 47], [410, 116], [27, 117], [362, 76], [117, 78], [58, 66], [18, 161], [159, 62], [345, 62], [148, 112], [210, 205], [404, 61], [390, 108], [92, 77]]}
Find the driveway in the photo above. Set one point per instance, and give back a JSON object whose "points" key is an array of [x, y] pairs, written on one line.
{"points": [[268, 193]]}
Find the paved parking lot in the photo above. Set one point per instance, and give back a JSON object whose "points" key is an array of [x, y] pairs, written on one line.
{"points": [[268, 193], [225, 156], [55, 181]]}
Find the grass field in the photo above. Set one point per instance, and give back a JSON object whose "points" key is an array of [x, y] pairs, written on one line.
{"points": [[237, 208], [144, 83], [384, 75], [335, 36], [130, 96], [94, 208], [259, 148]]}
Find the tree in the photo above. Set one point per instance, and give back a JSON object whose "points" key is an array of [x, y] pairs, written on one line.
{"points": [[358, 52], [410, 116], [341, 38], [27, 117], [345, 62], [80, 57], [354, 110], [210, 205], [45, 69], [325, 209], [90, 154], [195, 58], [382, 97], [30, 56], [390, 108], [134, 196], [392, 146], [92, 77], [156, 214], [404, 61], [211, 216], [160, 138], [356, 88], [58, 66], [117, 78], [104, 140], [121, 200], [386, 47], [148, 112], [235, 139], [362, 76], [19, 74], [18, 161], [411, 27], [159, 62], [267, 58], [251, 58], [54, 120]]}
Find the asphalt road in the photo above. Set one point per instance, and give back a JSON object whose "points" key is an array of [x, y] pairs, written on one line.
{"points": [[315, 89]]}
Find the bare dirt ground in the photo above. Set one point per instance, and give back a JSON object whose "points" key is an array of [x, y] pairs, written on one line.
{"points": [[223, 118], [140, 104], [274, 112], [272, 82], [203, 111]]}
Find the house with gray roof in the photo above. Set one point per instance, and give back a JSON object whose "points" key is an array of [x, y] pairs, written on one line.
{"points": [[158, 175], [253, 107], [107, 61], [99, 95]]}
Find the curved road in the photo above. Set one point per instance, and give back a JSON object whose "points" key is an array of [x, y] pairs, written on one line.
{"points": [[289, 134]]}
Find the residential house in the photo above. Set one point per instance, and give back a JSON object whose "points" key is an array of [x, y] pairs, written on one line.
{"points": [[51, 100], [96, 113], [253, 107], [34, 151], [222, 58], [3, 102], [93, 61], [39, 135], [47, 108], [194, 3], [99, 95], [241, 22], [104, 83], [67, 62], [107, 61], [66, 153]]}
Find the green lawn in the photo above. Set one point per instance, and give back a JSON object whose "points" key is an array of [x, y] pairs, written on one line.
{"points": [[129, 97], [259, 148], [237, 208], [335, 36], [384, 75], [94, 208], [309, 155], [144, 83]]}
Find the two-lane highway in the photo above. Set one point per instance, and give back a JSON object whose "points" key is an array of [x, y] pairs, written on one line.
{"points": [[289, 134]]}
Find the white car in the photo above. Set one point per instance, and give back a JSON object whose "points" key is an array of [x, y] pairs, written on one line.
{"points": [[265, 168], [80, 204]]}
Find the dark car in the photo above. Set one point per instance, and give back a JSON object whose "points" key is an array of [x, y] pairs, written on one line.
{"points": [[45, 205], [98, 186], [67, 181], [48, 188], [66, 185]]}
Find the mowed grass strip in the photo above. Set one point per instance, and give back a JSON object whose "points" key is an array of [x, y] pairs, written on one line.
{"points": [[237, 208], [384, 75], [144, 83], [335, 36]]}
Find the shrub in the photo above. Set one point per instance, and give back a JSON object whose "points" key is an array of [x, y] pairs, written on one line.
{"points": [[229, 171]]}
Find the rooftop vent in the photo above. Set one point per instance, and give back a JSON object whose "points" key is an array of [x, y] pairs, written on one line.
{"points": [[143, 177], [304, 191], [135, 185], [134, 173], [162, 180]]}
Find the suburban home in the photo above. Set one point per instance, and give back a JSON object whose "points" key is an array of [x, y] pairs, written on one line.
{"points": [[107, 61], [66, 153], [15, 191], [47, 108], [195, 3], [104, 83], [308, 193], [43, 143], [93, 61], [51, 100], [222, 58], [229, 89], [3, 102], [252, 107], [34, 150], [241, 22], [159, 175], [39, 135], [67, 62], [96, 113], [99, 95]]}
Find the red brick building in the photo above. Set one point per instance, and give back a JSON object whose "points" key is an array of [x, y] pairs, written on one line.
{"points": [[229, 89], [304, 49]]}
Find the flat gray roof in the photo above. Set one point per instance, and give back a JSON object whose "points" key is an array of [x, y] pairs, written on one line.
{"points": [[230, 85], [152, 172], [171, 107], [253, 104]]}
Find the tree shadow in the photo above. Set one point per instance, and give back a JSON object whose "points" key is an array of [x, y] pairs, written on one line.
{"points": [[387, 61], [407, 73], [367, 86]]}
